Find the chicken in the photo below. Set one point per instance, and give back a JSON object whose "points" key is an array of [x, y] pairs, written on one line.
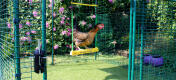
{"points": [[83, 39]]}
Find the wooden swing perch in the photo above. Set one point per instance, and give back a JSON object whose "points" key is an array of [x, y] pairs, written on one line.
{"points": [[93, 5], [84, 51]]}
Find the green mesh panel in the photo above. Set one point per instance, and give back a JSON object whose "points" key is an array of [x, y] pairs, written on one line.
{"points": [[30, 31], [158, 31], [7, 64]]}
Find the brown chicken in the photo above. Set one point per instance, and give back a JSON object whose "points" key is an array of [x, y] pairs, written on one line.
{"points": [[83, 39]]}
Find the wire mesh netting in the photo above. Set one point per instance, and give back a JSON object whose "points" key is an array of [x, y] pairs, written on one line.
{"points": [[155, 39], [7, 64], [29, 32]]}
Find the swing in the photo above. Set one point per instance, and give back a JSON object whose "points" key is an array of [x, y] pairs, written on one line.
{"points": [[84, 51], [93, 5]]}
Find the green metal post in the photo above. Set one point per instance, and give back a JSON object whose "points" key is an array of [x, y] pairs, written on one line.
{"points": [[96, 21], [52, 33], [72, 28], [44, 37], [130, 39], [142, 38], [133, 42], [17, 46]]}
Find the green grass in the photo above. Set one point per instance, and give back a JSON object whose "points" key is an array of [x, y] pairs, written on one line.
{"points": [[82, 68]]}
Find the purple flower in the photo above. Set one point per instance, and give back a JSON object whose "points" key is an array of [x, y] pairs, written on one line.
{"points": [[93, 16], [28, 33], [77, 49], [69, 30], [35, 13], [61, 10], [90, 25], [68, 33], [62, 22], [8, 25], [54, 14], [83, 23], [33, 32], [29, 39], [56, 47], [12, 38], [54, 29], [111, 1], [28, 23], [64, 32], [47, 24], [20, 26]]}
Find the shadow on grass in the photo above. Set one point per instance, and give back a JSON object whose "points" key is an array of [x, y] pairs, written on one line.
{"points": [[117, 73]]}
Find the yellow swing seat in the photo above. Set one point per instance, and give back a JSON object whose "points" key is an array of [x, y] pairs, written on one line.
{"points": [[84, 51]]}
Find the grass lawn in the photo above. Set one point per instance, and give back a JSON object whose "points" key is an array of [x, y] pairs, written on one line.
{"points": [[75, 69]]}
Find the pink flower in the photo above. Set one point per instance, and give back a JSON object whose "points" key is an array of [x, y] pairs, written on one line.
{"points": [[62, 22], [47, 24], [47, 41], [23, 38], [56, 47], [63, 18], [61, 10], [28, 23], [68, 18], [68, 33], [20, 26], [28, 33], [36, 48], [50, 5], [54, 29], [30, 1], [67, 46], [64, 32], [69, 30], [35, 13], [33, 32], [51, 1], [93, 16], [54, 14], [83, 23], [8, 25]]}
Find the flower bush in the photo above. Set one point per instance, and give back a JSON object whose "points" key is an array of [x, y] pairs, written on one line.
{"points": [[84, 20]]}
